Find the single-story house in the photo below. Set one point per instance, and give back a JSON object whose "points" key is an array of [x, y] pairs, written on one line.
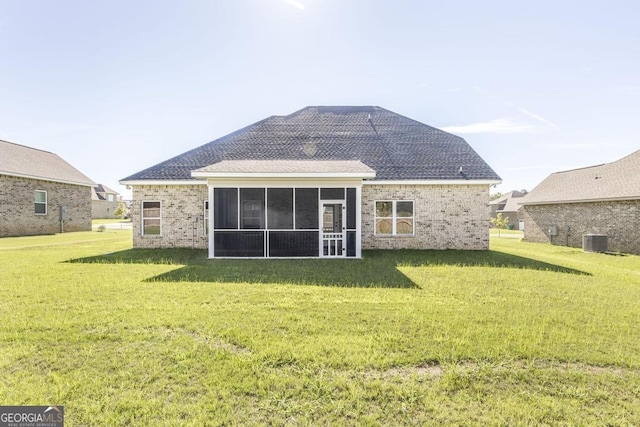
{"points": [[596, 200], [509, 207], [104, 202], [320, 182], [40, 193]]}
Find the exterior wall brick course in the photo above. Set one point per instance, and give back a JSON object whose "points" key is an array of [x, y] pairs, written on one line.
{"points": [[17, 212], [619, 220], [445, 216], [103, 209], [179, 205]]}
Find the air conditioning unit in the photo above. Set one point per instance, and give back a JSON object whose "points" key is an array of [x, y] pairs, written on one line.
{"points": [[594, 243]]}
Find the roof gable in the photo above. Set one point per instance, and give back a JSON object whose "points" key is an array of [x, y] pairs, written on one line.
{"points": [[396, 147], [617, 180], [23, 161]]}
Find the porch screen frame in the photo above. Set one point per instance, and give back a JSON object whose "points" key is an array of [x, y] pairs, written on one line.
{"points": [[352, 191]]}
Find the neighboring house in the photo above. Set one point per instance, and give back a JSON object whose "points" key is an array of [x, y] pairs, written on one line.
{"points": [[508, 205], [603, 199], [40, 193], [321, 182], [104, 202]]}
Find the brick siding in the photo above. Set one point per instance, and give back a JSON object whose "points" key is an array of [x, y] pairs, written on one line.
{"points": [[619, 220], [17, 211], [103, 209], [179, 204], [445, 216]]}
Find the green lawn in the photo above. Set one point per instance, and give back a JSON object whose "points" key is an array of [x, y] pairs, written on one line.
{"points": [[524, 334], [110, 221]]}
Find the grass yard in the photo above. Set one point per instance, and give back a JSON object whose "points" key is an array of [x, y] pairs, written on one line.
{"points": [[523, 334]]}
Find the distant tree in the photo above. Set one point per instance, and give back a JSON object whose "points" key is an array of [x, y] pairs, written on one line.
{"points": [[524, 191], [496, 196], [120, 211], [500, 222]]}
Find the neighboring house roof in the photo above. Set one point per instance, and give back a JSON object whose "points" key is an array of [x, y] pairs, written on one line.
{"points": [[619, 180], [101, 191], [508, 202], [27, 162], [396, 147]]}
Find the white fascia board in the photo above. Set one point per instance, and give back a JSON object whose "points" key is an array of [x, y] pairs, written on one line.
{"points": [[434, 182], [40, 178], [248, 182], [163, 182], [284, 175]]}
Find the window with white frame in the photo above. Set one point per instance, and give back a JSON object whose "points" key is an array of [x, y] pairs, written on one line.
{"points": [[151, 219], [394, 217], [40, 202]]}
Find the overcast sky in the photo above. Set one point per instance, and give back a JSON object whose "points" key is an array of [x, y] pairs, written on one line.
{"points": [[116, 86]]}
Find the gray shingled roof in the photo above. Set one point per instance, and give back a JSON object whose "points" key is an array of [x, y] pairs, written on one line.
{"points": [[396, 147], [511, 201], [20, 160], [619, 180], [100, 192]]}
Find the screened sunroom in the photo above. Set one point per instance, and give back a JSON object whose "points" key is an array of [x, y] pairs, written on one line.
{"points": [[284, 209]]}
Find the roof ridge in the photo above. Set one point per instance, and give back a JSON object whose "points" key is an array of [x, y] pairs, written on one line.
{"points": [[28, 147], [582, 168], [601, 164]]}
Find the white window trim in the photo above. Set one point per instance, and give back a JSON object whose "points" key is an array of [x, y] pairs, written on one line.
{"points": [[394, 217], [46, 201], [142, 218]]}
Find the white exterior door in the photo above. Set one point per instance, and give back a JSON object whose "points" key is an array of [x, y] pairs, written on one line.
{"points": [[332, 243]]}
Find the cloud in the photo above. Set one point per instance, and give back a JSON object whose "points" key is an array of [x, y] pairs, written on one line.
{"points": [[295, 4], [537, 117], [579, 145], [522, 110], [503, 125], [525, 168]]}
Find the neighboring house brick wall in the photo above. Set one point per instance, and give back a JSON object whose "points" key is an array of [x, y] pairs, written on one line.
{"points": [[103, 209], [514, 217], [620, 221], [17, 212], [446, 216], [179, 204]]}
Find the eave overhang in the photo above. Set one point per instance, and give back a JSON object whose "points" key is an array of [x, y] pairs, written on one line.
{"points": [[285, 169]]}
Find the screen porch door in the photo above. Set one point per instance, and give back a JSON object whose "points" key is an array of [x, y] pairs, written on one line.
{"points": [[333, 230]]}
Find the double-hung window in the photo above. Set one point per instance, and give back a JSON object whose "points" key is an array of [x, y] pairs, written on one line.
{"points": [[394, 217], [40, 202], [151, 219]]}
